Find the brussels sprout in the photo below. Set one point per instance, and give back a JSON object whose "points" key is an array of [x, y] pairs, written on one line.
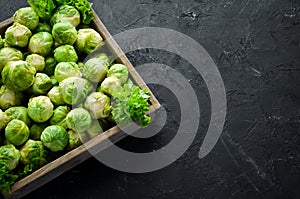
{"points": [[18, 75], [102, 56], [79, 120], [66, 13], [110, 84], [54, 81], [98, 104], [10, 155], [59, 116], [65, 53], [17, 35], [34, 153], [27, 17], [5, 44], [8, 54], [95, 129], [9, 98], [37, 61], [75, 90], [55, 96], [55, 138], [88, 40], [40, 109], [36, 130], [64, 33], [74, 139], [80, 65], [95, 69], [3, 120], [64, 70], [42, 84], [41, 43], [20, 113], [1, 42], [17, 132], [50, 65], [119, 71], [43, 27]]}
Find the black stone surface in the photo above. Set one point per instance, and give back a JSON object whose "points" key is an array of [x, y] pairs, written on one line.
{"points": [[256, 46]]}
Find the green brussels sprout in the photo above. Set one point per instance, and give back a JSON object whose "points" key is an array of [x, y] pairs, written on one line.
{"points": [[102, 56], [88, 40], [17, 132], [55, 96], [63, 70], [17, 35], [95, 129], [79, 120], [41, 43], [1, 42], [42, 84], [54, 81], [64, 33], [5, 44], [36, 130], [119, 71], [55, 138], [81, 66], [34, 153], [8, 54], [65, 53], [43, 27], [74, 139], [40, 109], [50, 65], [59, 116], [75, 90], [95, 69], [37, 61], [110, 84], [98, 104], [27, 17], [18, 75], [9, 98], [66, 13], [3, 120], [18, 112], [10, 155]]}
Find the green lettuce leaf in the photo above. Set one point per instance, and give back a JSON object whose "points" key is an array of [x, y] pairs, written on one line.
{"points": [[7, 178], [130, 103], [43, 8]]}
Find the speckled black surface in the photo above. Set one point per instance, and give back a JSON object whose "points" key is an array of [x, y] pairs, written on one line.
{"points": [[256, 46]]}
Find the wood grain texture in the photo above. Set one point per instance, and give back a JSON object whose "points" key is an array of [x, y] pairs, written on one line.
{"points": [[95, 145]]}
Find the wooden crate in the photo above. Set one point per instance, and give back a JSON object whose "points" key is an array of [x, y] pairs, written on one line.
{"points": [[97, 144]]}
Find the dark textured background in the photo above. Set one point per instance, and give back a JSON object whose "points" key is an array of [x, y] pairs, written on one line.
{"points": [[256, 45]]}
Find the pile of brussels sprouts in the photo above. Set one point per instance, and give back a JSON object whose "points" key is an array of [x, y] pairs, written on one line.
{"points": [[50, 101]]}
